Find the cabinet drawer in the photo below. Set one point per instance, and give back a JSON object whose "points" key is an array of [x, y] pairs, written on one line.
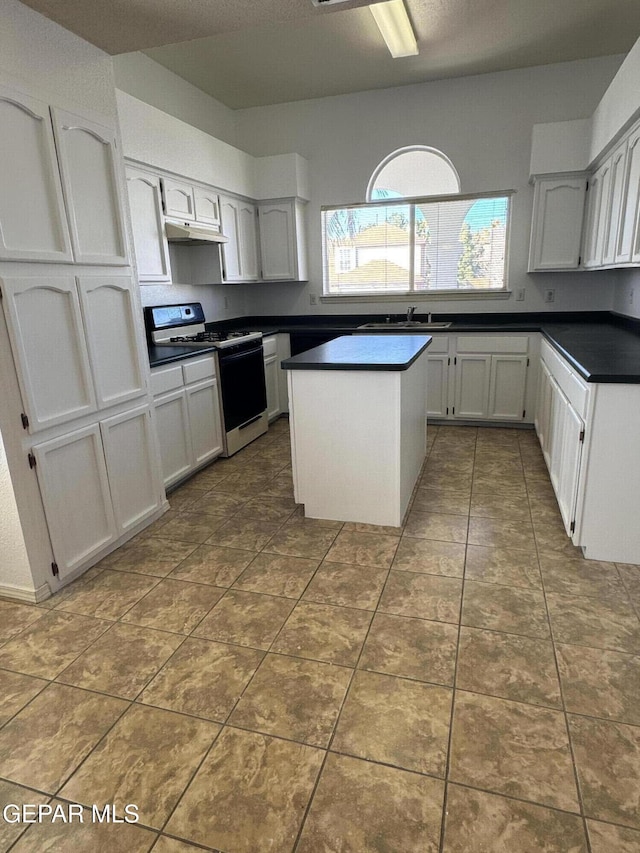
{"points": [[439, 344], [165, 379], [573, 386], [199, 368], [493, 343], [270, 345]]}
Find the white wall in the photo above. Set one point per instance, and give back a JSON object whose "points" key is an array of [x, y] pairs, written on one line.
{"points": [[620, 105], [142, 77], [483, 123], [627, 293]]}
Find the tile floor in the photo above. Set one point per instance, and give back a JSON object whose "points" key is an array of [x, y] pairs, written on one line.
{"points": [[254, 681]]}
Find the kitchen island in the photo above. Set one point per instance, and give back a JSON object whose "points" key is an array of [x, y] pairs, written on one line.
{"points": [[357, 408]]}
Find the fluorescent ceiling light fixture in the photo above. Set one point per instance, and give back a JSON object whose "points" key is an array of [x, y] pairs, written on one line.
{"points": [[395, 26]]}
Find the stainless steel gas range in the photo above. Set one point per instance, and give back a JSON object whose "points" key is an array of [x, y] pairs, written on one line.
{"points": [[241, 383]]}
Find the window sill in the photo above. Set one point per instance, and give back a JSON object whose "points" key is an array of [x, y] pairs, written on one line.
{"points": [[417, 296]]}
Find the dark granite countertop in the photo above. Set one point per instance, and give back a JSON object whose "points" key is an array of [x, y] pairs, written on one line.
{"points": [[601, 345], [362, 352], [165, 355]]}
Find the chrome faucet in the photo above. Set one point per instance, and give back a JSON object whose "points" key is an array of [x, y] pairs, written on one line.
{"points": [[410, 311]]}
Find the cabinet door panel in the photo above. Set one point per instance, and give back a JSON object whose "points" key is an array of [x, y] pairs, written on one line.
{"points": [[172, 427], [147, 222], [178, 199], [630, 216], [231, 230], [557, 224], [72, 476], [271, 381], [248, 242], [207, 206], [597, 210], [569, 468], [132, 466], [91, 185], [50, 353], [277, 241], [507, 387], [437, 386], [614, 212], [204, 418], [33, 223], [472, 386], [114, 348]]}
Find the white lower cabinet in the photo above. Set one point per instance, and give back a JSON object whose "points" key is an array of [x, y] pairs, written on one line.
{"points": [[438, 361], [275, 349], [188, 421]]}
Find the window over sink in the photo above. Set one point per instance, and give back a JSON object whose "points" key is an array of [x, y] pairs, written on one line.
{"points": [[416, 233]]}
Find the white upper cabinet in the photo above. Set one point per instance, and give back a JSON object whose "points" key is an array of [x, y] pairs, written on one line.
{"points": [[50, 352], [248, 232], [596, 220], [114, 349], [277, 241], [33, 224], [614, 205], [556, 226], [147, 222], [91, 186], [207, 206], [179, 200], [240, 253], [629, 230]]}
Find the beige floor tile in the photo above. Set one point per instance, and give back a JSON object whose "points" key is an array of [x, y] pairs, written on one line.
{"points": [[17, 796], [122, 661], [512, 508], [249, 795], [439, 500], [76, 837], [569, 576], [153, 556], [363, 549], [412, 648], [501, 533], [164, 844], [446, 482], [274, 510], [486, 483], [396, 721], [437, 525], [192, 527], [246, 533], [346, 585], [477, 821], [430, 557], [274, 574], [606, 838], [43, 744], [107, 596], [203, 678], [174, 605], [15, 691], [505, 566], [359, 805], [553, 538], [509, 666], [148, 759], [602, 624], [242, 485], [361, 527], [51, 644], [297, 539], [214, 565], [293, 698], [513, 749], [218, 503], [423, 596], [505, 608], [246, 618], [607, 756], [325, 633], [600, 683], [16, 617]]}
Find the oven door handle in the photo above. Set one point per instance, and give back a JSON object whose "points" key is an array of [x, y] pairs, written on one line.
{"points": [[224, 358], [251, 421]]}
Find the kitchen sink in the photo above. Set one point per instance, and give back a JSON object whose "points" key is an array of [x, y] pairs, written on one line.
{"points": [[406, 324]]}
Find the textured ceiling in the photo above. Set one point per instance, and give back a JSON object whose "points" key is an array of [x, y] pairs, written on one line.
{"points": [[249, 53]]}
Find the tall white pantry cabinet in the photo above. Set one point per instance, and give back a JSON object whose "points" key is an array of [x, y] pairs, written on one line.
{"points": [[76, 419]]}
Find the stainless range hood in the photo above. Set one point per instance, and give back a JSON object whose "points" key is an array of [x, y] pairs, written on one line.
{"points": [[188, 234]]}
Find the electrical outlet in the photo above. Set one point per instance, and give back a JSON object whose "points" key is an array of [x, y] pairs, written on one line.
{"points": [[313, 299], [631, 296], [550, 295], [520, 294]]}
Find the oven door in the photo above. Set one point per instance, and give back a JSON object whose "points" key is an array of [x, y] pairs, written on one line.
{"points": [[242, 384]]}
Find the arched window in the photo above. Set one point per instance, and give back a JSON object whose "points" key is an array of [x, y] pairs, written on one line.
{"points": [[413, 171]]}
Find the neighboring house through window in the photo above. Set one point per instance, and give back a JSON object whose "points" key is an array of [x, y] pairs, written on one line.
{"points": [[416, 233]]}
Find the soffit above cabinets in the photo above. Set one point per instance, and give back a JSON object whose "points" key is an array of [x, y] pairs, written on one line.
{"points": [[248, 54]]}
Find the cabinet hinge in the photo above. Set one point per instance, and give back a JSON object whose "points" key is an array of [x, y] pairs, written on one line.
{"points": [[32, 460], [528, 362], [25, 421], [448, 362], [572, 526], [55, 571], [447, 409], [579, 260], [587, 187], [524, 412], [455, 359], [582, 436], [453, 410]]}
